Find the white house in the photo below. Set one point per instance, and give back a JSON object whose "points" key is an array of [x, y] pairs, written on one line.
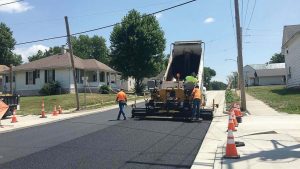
{"points": [[291, 50], [30, 77], [3, 68], [264, 74]]}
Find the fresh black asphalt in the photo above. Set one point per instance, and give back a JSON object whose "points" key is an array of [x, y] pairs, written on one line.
{"points": [[98, 141]]}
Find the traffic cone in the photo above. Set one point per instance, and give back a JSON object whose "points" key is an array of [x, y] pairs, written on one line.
{"points": [[237, 112], [236, 124], [231, 125], [43, 114], [231, 151], [54, 113], [14, 118], [59, 110]]}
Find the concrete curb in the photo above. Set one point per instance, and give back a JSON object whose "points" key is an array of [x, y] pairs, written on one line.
{"points": [[73, 115]]}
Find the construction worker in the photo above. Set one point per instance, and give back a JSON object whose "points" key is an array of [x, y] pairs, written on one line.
{"points": [[196, 94], [121, 99], [191, 79]]}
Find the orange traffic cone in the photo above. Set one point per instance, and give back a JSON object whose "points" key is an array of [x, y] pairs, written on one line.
{"points": [[54, 113], [59, 110], [43, 114], [236, 124], [231, 151], [231, 125], [14, 118], [237, 112]]}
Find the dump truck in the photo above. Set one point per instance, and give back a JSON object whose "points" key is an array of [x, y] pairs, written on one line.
{"points": [[172, 96], [13, 101]]}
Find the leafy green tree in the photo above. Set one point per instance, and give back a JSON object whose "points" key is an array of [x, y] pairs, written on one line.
{"points": [[216, 85], [91, 48], [277, 58], [7, 44], [39, 55], [137, 46], [208, 74]]}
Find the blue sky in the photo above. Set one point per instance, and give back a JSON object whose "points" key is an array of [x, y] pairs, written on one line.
{"points": [[207, 20]]}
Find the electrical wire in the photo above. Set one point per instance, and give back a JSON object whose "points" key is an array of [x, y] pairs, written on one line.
{"points": [[95, 29], [11, 2], [251, 14], [246, 12]]}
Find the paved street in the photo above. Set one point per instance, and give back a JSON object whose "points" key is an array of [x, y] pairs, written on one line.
{"points": [[98, 141]]}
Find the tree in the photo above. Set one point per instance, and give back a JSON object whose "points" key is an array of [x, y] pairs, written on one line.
{"points": [[208, 74], [216, 85], [277, 58], [7, 44], [84, 47], [91, 48], [137, 46], [40, 54]]}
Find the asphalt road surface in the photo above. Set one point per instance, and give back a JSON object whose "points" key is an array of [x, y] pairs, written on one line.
{"points": [[99, 141]]}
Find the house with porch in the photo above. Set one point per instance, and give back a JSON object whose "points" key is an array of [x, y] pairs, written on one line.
{"points": [[3, 68], [31, 77], [291, 50]]}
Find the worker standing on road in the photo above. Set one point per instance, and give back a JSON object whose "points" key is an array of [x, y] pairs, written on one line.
{"points": [[196, 94], [121, 99]]}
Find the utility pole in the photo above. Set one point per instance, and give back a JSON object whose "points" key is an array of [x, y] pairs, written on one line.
{"points": [[11, 77], [240, 56], [72, 61]]}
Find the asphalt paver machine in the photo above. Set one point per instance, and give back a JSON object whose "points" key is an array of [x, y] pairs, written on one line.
{"points": [[171, 96]]}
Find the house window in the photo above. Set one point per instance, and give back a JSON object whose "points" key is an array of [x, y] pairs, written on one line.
{"points": [[290, 72], [102, 76], [30, 78], [49, 76]]}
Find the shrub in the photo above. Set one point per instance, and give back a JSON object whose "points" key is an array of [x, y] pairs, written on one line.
{"points": [[50, 88], [104, 89]]}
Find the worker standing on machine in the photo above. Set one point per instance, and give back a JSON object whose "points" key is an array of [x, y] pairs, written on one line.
{"points": [[196, 94], [191, 79], [122, 100]]}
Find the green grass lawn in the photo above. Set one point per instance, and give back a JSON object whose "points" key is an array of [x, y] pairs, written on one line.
{"points": [[278, 97], [33, 105]]}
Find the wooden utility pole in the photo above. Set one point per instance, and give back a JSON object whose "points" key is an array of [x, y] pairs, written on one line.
{"points": [[11, 78], [240, 56], [72, 61]]}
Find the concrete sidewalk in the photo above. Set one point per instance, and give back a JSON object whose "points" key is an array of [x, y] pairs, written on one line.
{"points": [[35, 120], [272, 140]]}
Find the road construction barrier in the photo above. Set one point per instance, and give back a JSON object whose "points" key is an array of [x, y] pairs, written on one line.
{"points": [[54, 113], [231, 151], [231, 126], [43, 113], [14, 118]]}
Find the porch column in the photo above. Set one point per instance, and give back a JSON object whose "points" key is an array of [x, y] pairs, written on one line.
{"points": [[98, 77]]}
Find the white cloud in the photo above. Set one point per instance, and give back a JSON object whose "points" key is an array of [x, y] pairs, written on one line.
{"points": [[17, 7], [25, 52], [209, 20], [158, 15]]}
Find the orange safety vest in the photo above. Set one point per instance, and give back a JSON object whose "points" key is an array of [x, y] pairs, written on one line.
{"points": [[121, 96], [196, 93]]}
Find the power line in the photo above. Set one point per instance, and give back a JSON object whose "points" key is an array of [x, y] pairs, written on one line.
{"points": [[231, 17], [251, 14], [95, 29], [56, 19], [246, 12], [11, 2]]}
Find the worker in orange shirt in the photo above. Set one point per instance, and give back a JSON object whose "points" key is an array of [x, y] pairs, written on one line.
{"points": [[121, 99], [196, 94]]}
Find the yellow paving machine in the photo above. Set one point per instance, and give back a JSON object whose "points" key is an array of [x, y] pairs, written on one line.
{"points": [[172, 96]]}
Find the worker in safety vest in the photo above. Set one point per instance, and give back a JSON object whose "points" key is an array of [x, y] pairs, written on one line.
{"points": [[121, 99], [196, 94], [191, 79]]}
